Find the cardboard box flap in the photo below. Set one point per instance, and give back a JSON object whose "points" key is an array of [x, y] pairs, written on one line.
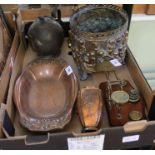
{"points": [[133, 134], [117, 138], [56, 142], [137, 126], [37, 139]]}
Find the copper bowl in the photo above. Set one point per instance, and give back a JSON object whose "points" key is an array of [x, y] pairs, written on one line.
{"points": [[44, 95]]}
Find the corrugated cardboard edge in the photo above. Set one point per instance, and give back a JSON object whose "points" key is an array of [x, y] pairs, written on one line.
{"points": [[5, 77], [139, 80], [137, 126], [17, 65], [2, 111]]}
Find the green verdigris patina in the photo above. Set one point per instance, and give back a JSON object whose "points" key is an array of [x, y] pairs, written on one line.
{"points": [[98, 34]]}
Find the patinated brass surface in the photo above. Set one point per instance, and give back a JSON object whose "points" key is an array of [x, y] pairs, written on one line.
{"points": [[135, 115], [44, 95], [90, 107], [134, 95], [120, 97], [98, 34]]}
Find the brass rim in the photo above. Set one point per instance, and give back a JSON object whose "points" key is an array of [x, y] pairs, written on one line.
{"points": [[120, 97], [135, 115]]}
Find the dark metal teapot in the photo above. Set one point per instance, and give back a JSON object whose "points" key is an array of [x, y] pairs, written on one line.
{"points": [[46, 36]]}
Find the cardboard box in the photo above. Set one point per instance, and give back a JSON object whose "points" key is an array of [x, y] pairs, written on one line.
{"points": [[6, 73], [131, 135], [5, 76], [17, 137], [143, 86]]}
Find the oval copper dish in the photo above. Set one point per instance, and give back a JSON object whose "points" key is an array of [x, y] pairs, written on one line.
{"points": [[45, 94]]}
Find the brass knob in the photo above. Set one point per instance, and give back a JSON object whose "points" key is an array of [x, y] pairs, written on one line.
{"points": [[135, 115], [120, 97]]}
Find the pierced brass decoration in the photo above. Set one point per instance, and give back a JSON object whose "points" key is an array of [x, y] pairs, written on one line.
{"points": [[96, 32]]}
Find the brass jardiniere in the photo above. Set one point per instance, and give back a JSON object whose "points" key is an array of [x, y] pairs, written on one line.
{"points": [[98, 34]]}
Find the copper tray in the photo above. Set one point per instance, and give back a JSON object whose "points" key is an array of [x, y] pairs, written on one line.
{"points": [[44, 95], [90, 107]]}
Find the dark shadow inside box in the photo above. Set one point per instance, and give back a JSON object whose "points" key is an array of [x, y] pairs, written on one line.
{"points": [[152, 111], [7, 125]]}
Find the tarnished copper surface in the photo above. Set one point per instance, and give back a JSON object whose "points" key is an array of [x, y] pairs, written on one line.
{"points": [[44, 95], [122, 112], [90, 107]]}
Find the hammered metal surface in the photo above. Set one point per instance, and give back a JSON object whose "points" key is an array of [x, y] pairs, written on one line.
{"points": [[90, 105], [45, 94]]}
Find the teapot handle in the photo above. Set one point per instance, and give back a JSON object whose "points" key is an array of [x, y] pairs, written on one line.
{"points": [[41, 18], [56, 12]]}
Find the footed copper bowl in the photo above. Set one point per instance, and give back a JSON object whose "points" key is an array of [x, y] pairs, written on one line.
{"points": [[44, 95]]}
